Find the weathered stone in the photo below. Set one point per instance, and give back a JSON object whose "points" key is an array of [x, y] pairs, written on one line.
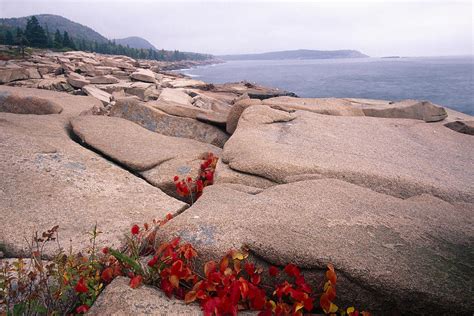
{"points": [[162, 175], [76, 80], [33, 73], [48, 179], [411, 109], [400, 157], [236, 111], [119, 298], [115, 87], [160, 122], [83, 68], [465, 127], [391, 255], [224, 174], [105, 79], [185, 83], [328, 106], [142, 90], [56, 84], [30, 105], [8, 74], [254, 91], [214, 118], [95, 92], [145, 75], [177, 109], [175, 96], [132, 145], [52, 101]]}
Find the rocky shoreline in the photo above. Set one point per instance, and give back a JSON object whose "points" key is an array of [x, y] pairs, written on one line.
{"points": [[381, 189]]}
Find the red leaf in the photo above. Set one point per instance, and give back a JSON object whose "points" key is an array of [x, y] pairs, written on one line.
{"points": [[153, 261], [107, 275], [325, 302], [190, 297], [136, 281], [273, 271], [167, 287], [81, 287], [135, 229], [82, 309], [209, 267], [224, 264], [292, 270], [331, 274]]}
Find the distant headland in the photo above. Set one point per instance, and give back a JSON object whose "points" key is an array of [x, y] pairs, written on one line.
{"points": [[297, 54]]}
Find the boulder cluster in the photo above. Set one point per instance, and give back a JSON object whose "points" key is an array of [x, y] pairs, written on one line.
{"points": [[383, 190]]}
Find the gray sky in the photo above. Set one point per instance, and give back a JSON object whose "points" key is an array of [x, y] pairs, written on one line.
{"points": [[377, 28]]}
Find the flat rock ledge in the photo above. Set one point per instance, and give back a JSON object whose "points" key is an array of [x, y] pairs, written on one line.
{"points": [[157, 158], [392, 255], [48, 179], [399, 157]]}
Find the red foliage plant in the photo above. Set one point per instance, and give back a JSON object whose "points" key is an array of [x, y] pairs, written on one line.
{"points": [[231, 284], [192, 188]]}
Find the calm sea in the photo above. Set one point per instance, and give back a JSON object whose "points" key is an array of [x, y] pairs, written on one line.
{"points": [[446, 81]]}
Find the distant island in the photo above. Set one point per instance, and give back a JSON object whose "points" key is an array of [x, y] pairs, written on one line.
{"points": [[297, 54]]}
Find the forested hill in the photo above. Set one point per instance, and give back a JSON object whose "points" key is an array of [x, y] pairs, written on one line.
{"points": [[135, 42], [51, 22], [297, 54], [58, 33]]}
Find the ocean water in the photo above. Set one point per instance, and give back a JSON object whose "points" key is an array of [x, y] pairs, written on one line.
{"points": [[446, 81]]}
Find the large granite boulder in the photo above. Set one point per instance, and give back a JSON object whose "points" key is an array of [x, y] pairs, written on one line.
{"points": [[393, 256], [400, 157], [119, 298], [30, 105], [95, 92], [9, 74], [160, 122], [143, 90], [48, 179], [254, 91], [158, 158], [411, 109], [465, 127], [145, 75], [175, 97], [104, 79], [236, 111], [37, 101], [76, 80]]}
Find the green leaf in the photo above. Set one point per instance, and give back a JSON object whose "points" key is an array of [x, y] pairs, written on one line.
{"points": [[126, 259]]}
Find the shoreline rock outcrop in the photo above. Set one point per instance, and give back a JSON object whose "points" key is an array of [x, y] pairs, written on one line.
{"points": [[383, 190]]}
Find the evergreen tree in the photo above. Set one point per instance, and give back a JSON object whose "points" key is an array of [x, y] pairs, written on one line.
{"points": [[48, 36], [58, 40], [9, 40], [21, 40], [67, 42], [35, 34]]}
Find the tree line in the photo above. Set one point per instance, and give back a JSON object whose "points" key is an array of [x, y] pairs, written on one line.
{"points": [[34, 35]]}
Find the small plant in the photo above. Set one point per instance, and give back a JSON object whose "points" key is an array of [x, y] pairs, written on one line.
{"points": [[228, 285], [71, 283], [192, 189], [65, 284]]}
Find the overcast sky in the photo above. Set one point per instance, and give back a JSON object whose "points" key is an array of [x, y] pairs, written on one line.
{"points": [[377, 28]]}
